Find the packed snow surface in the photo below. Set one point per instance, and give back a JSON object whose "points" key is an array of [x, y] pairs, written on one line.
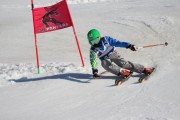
{"points": [[64, 90]]}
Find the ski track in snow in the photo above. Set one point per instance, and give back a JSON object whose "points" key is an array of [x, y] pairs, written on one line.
{"points": [[146, 23], [134, 22]]}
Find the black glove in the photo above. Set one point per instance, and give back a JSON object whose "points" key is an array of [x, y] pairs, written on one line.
{"points": [[95, 73], [132, 47]]}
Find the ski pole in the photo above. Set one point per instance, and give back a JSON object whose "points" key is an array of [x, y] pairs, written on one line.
{"points": [[150, 46]]}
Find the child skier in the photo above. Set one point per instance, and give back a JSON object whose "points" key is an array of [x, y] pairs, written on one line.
{"points": [[104, 48]]}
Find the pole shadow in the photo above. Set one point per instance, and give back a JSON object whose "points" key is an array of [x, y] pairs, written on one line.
{"points": [[74, 77]]}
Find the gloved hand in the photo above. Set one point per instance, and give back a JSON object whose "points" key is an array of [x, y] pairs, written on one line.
{"points": [[95, 75], [132, 47]]}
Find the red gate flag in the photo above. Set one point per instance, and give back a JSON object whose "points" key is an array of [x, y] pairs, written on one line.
{"points": [[51, 18]]}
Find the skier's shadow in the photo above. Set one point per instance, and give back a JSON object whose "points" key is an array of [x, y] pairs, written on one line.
{"points": [[74, 77]]}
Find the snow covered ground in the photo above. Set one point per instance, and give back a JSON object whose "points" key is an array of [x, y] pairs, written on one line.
{"points": [[66, 91]]}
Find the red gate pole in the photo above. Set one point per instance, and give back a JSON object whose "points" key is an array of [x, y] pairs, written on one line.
{"points": [[79, 49], [35, 39]]}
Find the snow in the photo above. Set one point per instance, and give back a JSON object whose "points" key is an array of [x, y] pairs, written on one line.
{"points": [[66, 91]]}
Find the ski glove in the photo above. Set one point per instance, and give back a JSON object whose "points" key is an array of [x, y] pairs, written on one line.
{"points": [[132, 47], [95, 75]]}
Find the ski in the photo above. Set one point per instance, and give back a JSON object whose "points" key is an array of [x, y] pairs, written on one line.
{"points": [[146, 77], [120, 80]]}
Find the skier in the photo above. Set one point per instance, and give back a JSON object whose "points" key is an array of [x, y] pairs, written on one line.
{"points": [[104, 48]]}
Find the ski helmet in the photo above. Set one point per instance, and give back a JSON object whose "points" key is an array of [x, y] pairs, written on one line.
{"points": [[93, 37]]}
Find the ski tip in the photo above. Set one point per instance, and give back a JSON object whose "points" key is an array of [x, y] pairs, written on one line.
{"points": [[142, 81], [119, 83]]}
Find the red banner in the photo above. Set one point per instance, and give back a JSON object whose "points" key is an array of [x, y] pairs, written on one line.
{"points": [[52, 18]]}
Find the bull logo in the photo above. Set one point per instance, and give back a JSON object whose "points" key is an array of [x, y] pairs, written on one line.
{"points": [[48, 17]]}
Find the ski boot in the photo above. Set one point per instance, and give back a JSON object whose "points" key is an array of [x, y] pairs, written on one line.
{"points": [[125, 73], [148, 71]]}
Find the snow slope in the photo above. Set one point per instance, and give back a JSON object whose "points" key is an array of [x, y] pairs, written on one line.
{"points": [[66, 91]]}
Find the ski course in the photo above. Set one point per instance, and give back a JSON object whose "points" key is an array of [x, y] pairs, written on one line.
{"points": [[64, 90]]}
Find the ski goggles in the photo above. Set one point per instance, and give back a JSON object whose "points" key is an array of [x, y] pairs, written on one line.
{"points": [[95, 41]]}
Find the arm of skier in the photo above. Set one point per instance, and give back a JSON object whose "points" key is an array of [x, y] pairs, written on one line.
{"points": [[94, 64], [118, 43]]}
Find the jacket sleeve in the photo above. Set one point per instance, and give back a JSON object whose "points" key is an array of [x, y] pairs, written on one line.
{"points": [[93, 61], [117, 43]]}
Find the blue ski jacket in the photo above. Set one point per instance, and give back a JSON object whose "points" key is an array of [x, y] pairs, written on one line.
{"points": [[106, 48]]}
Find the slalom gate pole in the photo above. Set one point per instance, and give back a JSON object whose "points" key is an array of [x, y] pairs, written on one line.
{"points": [[78, 45], [150, 46], [35, 39]]}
